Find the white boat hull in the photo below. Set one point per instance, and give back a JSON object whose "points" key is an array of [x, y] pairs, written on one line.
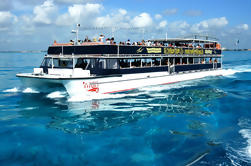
{"points": [[39, 84], [107, 85], [89, 87]]}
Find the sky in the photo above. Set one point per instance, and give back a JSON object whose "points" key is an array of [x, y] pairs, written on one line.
{"points": [[35, 24]]}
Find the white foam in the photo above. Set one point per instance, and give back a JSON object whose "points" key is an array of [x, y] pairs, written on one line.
{"points": [[237, 69], [243, 153], [229, 72], [56, 94], [29, 90], [13, 90], [246, 133]]}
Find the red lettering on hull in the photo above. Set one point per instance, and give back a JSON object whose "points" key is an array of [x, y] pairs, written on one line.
{"points": [[91, 86]]}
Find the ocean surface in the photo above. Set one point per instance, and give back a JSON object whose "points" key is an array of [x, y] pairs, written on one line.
{"points": [[199, 122]]}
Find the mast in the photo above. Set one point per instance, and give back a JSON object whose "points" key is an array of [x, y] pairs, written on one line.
{"points": [[76, 32]]}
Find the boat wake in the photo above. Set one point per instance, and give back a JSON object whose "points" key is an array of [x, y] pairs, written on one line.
{"points": [[57, 94], [12, 90], [18, 90], [241, 153], [30, 90], [230, 70]]}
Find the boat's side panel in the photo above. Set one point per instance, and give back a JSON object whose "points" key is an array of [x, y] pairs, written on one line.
{"points": [[129, 82]]}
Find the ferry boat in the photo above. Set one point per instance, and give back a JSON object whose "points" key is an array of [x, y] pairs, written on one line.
{"points": [[90, 68]]}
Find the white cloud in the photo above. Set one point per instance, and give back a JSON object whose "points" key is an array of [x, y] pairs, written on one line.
{"points": [[143, 20], [158, 16], [79, 13], [122, 11], [243, 27], [6, 20], [45, 13], [26, 25], [162, 24], [206, 25], [117, 19], [179, 27]]}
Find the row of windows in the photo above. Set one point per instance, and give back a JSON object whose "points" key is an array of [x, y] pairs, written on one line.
{"points": [[84, 63], [153, 62]]}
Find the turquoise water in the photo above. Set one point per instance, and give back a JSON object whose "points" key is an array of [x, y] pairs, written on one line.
{"points": [[200, 122]]}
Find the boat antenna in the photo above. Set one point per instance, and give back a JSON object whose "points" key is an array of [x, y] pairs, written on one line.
{"points": [[237, 44], [76, 32]]}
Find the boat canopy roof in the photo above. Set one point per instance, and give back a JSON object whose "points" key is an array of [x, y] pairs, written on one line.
{"points": [[183, 40]]}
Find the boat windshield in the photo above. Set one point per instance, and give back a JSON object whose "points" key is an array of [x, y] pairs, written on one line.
{"points": [[57, 63], [47, 62], [62, 63]]}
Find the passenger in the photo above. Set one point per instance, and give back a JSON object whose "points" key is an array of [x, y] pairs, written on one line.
{"points": [[101, 38], [128, 42], [112, 40], [215, 61], [108, 41], [86, 39], [218, 46], [210, 60], [148, 43], [198, 46], [143, 42]]}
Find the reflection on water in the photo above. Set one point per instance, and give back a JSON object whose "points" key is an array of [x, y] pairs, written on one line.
{"points": [[145, 126], [99, 115]]}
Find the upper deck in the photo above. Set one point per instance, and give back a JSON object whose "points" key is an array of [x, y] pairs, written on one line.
{"points": [[158, 47]]}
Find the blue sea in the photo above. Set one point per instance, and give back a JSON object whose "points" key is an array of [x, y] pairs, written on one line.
{"points": [[199, 122]]}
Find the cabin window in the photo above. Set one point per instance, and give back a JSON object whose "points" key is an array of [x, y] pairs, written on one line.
{"points": [[177, 61], [124, 63], [102, 63], [171, 61], [62, 63], [143, 62], [111, 63], [203, 61], [184, 61], [196, 60], [164, 61], [146, 62], [47, 62], [216, 60], [190, 60], [82, 63], [156, 61], [136, 63]]}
